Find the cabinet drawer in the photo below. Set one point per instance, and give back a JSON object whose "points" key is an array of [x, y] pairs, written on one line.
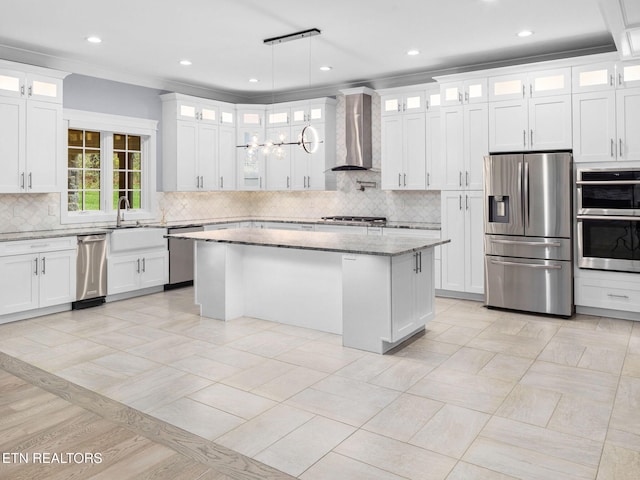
{"points": [[601, 293], [37, 246]]}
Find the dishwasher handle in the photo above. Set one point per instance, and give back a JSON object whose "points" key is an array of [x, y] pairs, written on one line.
{"points": [[91, 238]]}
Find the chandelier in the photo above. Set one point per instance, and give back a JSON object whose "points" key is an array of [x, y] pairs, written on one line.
{"points": [[308, 138]]}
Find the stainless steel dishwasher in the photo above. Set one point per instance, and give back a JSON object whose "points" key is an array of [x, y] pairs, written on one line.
{"points": [[91, 271], [181, 258]]}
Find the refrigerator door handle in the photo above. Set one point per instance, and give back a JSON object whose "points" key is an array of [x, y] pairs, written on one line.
{"points": [[527, 265], [528, 244], [526, 195]]}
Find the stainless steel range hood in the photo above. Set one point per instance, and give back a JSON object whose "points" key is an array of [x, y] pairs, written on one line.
{"points": [[357, 130]]}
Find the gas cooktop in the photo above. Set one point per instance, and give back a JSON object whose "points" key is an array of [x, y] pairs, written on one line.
{"points": [[348, 218]]}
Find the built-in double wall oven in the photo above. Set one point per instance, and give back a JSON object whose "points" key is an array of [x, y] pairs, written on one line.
{"points": [[609, 219]]}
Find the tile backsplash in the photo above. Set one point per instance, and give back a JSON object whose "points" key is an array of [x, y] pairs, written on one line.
{"points": [[28, 212]]}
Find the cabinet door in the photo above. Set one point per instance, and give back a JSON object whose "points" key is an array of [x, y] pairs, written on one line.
{"points": [[474, 242], [124, 273], [313, 113], [154, 269], [403, 309], [227, 158], [550, 82], [18, 283], [453, 253], [628, 123], [278, 161], [251, 171], [476, 144], [57, 277], [44, 146], [12, 144], [594, 126], [434, 154], [415, 155], [507, 87], [207, 152], [316, 162], [628, 74], [278, 116], [508, 126], [44, 89], [550, 123], [452, 153], [593, 77], [187, 171], [391, 161], [12, 83]]}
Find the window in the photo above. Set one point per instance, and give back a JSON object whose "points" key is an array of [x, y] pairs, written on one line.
{"points": [[108, 157]]}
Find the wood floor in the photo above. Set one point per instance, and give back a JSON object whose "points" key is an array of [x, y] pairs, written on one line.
{"points": [[52, 429]]}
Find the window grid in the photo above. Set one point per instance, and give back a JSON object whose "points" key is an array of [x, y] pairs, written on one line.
{"points": [[83, 171], [127, 169]]}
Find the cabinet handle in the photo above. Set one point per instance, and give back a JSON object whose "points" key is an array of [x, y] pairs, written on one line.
{"points": [[611, 79], [44, 265], [466, 178], [30, 179], [523, 91], [309, 181], [260, 182], [617, 296], [415, 262], [466, 97], [197, 181], [612, 147], [466, 202], [460, 201], [138, 266], [36, 270], [620, 152], [460, 97], [287, 181], [22, 90], [30, 90], [531, 90], [531, 138], [144, 265], [619, 79], [428, 179], [524, 138], [399, 176], [22, 180], [459, 179], [404, 181]]}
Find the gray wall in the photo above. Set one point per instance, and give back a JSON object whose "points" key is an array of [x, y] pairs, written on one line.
{"points": [[105, 96]]}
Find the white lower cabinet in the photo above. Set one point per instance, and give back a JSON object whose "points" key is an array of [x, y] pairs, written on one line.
{"points": [[463, 258], [608, 290], [44, 277], [416, 232], [136, 271], [411, 286]]}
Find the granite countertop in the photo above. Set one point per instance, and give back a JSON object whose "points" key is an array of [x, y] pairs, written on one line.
{"points": [[330, 242], [70, 232]]}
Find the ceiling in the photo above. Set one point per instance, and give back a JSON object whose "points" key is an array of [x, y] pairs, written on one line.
{"points": [[365, 42]]}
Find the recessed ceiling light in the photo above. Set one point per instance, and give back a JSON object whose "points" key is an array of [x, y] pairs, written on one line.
{"points": [[325, 68], [94, 39], [185, 62], [525, 33], [413, 52], [253, 80]]}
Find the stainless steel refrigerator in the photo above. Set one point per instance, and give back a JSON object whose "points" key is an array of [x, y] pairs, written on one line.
{"points": [[528, 232]]}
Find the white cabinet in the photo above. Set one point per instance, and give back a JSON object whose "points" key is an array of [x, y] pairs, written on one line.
{"points": [[530, 111], [251, 171], [605, 76], [608, 290], [411, 283], [414, 232], [197, 137], [464, 138], [278, 161], [606, 123], [37, 274], [403, 140], [463, 258], [137, 259], [464, 92], [31, 129]]}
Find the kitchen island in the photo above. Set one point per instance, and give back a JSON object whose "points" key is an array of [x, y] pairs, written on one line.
{"points": [[374, 291]]}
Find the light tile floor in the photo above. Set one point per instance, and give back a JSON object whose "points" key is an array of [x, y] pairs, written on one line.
{"points": [[483, 394]]}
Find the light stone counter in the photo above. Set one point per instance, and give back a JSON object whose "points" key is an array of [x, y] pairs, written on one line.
{"points": [[325, 241]]}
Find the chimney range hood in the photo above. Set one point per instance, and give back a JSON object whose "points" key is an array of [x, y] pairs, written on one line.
{"points": [[357, 130]]}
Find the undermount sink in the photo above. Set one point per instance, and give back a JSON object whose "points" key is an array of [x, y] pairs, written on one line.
{"points": [[135, 237]]}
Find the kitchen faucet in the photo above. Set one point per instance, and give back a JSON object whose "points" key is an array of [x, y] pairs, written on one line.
{"points": [[120, 216]]}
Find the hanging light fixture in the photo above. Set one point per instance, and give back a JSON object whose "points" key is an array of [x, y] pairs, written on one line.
{"points": [[308, 139]]}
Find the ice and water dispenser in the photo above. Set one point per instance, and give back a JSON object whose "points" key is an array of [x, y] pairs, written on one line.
{"points": [[498, 209]]}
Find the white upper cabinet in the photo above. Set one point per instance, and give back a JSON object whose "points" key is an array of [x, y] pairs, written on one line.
{"points": [[530, 85], [32, 136], [463, 92], [606, 76], [278, 115], [307, 112], [403, 102], [530, 111]]}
